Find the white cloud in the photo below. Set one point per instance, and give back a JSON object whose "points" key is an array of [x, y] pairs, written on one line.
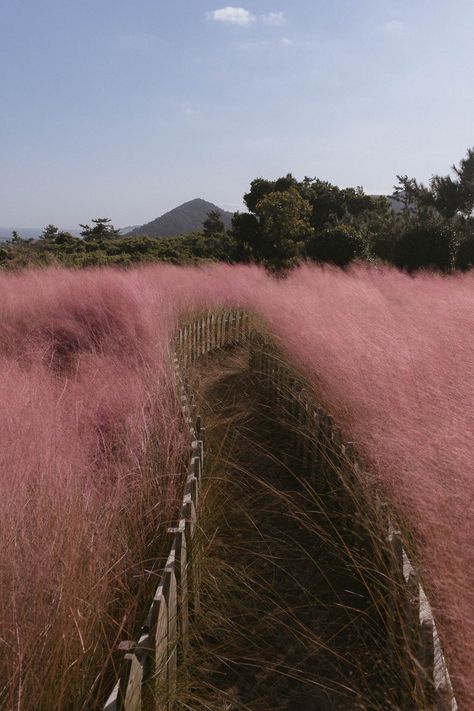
{"points": [[286, 42], [232, 16], [274, 19]]}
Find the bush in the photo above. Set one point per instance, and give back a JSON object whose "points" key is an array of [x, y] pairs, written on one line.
{"points": [[465, 253], [425, 244], [337, 245]]}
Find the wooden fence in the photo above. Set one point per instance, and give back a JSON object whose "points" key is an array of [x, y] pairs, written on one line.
{"points": [[316, 440], [151, 665]]}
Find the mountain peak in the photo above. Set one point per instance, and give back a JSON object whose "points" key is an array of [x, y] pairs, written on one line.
{"points": [[187, 217]]}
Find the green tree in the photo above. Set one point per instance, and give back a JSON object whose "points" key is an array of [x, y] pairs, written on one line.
{"points": [[285, 226], [102, 231], [328, 204], [465, 252], [247, 234], [338, 245], [465, 176], [426, 243], [17, 239], [213, 224], [49, 233], [448, 196], [259, 188]]}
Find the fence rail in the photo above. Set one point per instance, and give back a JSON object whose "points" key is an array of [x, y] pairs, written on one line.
{"points": [[152, 663]]}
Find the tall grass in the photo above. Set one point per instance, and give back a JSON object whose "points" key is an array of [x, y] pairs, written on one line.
{"points": [[88, 421], [90, 440], [391, 357]]}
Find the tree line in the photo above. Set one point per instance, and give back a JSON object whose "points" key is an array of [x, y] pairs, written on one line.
{"points": [[290, 221]]}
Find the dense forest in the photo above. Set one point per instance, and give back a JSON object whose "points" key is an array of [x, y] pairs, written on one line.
{"points": [[290, 221]]}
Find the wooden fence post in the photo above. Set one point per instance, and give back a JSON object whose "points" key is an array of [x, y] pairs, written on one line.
{"points": [[180, 568], [131, 684], [171, 598], [127, 693], [161, 647], [212, 340], [193, 557], [427, 655]]}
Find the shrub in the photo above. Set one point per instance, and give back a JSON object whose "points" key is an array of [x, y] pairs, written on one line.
{"points": [[336, 245], [428, 244]]}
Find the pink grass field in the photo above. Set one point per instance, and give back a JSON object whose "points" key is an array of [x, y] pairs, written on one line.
{"points": [[87, 405]]}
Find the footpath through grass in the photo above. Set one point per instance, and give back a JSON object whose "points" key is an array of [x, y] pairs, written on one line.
{"points": [[285, 620]]}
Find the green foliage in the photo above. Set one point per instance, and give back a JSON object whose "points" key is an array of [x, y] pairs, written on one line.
{"points": [[49, 233], [17, 240], [448, 196], [325, 207], [428, 243], [465, 175], [213, 224], [285, 225], [336, 245], [100, 232], [259, 188], [465, 251], [247, 233], [102, 246], [287, 221]]}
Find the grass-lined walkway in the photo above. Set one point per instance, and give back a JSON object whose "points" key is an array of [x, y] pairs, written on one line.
{"points": [[285, 621]]}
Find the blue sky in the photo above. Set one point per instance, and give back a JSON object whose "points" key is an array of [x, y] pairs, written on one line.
{"points": [[125, 108]]}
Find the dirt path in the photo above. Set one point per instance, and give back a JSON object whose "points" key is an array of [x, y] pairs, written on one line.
{"points": [[285, 622]]}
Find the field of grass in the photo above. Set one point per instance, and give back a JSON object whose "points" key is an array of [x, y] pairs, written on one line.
{"points": [[91, 444]]}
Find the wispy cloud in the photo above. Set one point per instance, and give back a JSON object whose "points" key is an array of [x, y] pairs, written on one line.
{"points": [[232, 16], [240, 16], [274, 19]]}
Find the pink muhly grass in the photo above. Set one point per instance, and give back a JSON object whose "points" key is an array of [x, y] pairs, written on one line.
{"points": [[85, 389], [391, 358], [85, 383]]}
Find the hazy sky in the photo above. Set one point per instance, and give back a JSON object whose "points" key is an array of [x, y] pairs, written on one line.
{"points": [[125, 108]]}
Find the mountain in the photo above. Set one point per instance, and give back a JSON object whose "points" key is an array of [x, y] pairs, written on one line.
{"points": [[396, 204], [125, 230], [185, 218]]}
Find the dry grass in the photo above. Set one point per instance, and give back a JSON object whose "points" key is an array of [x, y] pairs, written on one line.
{"points": [[299, 602]]}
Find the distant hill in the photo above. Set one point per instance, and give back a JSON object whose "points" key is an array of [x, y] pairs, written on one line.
{"points": [[185, 218], [396, 205], [126, 230]]}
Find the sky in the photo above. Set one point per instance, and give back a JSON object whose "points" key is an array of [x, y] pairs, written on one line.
{"points": [[126, 108]]}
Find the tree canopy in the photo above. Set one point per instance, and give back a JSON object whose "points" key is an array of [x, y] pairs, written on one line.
{"points": [[288, 221]]}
